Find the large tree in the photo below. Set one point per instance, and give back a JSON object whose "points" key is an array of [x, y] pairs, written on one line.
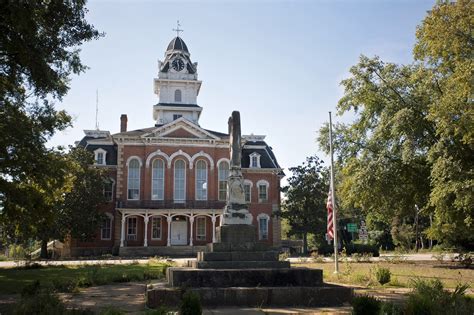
{"points": [[304, 205], [39, 43], [411, 142]]}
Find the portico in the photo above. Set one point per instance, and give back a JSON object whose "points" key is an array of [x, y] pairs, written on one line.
{"points": [[168, 227]]}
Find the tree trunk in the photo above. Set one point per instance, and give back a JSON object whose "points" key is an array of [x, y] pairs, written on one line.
{"points": [[44, 249], [305, 243]]}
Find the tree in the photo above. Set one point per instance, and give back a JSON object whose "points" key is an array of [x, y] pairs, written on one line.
{"points": [[64, 204], [305, 200], [411, 140], [39, 43]]}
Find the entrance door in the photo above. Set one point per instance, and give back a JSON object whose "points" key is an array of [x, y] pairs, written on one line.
{"points": [[179, 233]]}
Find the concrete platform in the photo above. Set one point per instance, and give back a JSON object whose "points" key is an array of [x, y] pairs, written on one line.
{"points": [[327, 295], [189, 277], [240, 264]]}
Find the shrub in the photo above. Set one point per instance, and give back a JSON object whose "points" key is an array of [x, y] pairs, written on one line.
{"points": [[382, 275], [111, 311], [283, 256], [366, 305], [429, 297], [190, 304]]}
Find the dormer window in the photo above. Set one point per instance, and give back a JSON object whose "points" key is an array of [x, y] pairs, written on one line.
{"points": [[255, 160], [99, 157], [177, 96]]}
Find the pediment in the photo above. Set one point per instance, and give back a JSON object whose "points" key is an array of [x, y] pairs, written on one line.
{"points": [[180, 128]]}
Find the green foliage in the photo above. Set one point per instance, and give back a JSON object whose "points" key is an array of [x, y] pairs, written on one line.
{"points": [[190, 304], [111, 311], [429, 297], [411, 140], [365, 305], [305, 204], [382, 275]]}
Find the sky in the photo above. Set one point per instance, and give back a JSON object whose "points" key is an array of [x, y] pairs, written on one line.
{"points": [[277, 62]]}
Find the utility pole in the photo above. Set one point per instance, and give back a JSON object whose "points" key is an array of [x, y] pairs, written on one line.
{"points": [[333, 195]]}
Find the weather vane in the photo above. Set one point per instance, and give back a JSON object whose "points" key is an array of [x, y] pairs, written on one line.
{"points": [[177, 29]]}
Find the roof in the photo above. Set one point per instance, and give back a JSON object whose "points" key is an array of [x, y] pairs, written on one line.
{"points": [[177, 44], [177, 105]]}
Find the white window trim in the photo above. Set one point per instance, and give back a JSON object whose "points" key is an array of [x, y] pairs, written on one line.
{"points": [[263, 216], [161, 228], [174, 182], [96, 154], [113, 189], [249, 182], [196, 179], [218, 180], [139, 174], [152, 178], [111, 218], [136, 228], [205, 226], [267, 185], [254, 154]]}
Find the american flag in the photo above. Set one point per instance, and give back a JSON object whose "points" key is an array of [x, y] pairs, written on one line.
{"points": [[330, 226]]}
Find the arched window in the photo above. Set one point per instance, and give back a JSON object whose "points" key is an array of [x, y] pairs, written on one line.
{"points": [[177, 95], [134, 180], [223, 175], [158, 180], [262, 186], [201, 180], [179, 180]]}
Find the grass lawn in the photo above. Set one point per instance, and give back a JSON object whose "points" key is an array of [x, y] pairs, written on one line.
{"points": [[363, 273], [13, 280]]}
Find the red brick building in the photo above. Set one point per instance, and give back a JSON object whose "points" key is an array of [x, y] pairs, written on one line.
{"points": [[168, 182]]}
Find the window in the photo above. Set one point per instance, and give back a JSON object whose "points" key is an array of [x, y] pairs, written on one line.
{"points": [[255, 160], [201, 228], [177, 95], [134, 180], [158, 180], [156, 228], [262, 192], [247, 190], [179, 180], [132, 228], [108, 190], [201, 180], [106, 229], [223, 175], [99, 156], [176, 116], [263, 227]]}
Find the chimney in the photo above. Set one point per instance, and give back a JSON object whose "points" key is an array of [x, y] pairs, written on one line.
{"points": [[123, 123]]}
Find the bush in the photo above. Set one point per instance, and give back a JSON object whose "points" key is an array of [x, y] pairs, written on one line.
{"points": [[429, 297], [382, 275], [362, 249], [190, 304], [366, 305]]}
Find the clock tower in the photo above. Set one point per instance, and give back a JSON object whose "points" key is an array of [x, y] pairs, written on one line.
{"points": [[177, 85]]}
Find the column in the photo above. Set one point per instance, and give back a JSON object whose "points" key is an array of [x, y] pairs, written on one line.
{"points": [[122, 235], [191, 223], [145, 239], [168, 219], [213, 228]]}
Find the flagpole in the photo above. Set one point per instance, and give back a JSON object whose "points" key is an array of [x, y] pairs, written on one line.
{"points": [[333, 195]]}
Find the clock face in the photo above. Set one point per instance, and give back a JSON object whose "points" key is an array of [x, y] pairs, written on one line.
{"points": [[178, 64]]}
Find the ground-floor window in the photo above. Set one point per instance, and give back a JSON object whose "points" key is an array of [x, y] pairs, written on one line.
{"points": [[132, 228], [106, 229], [156, 228], [263, 227], [201, 228]]}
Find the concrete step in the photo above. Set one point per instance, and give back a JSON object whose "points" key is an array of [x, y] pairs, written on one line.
{"points": [[327, 295], [239, 264], [238, 256], [188, 277], [170, 251]]}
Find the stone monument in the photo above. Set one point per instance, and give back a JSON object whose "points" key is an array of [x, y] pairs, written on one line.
{"points": [[238, 270]]}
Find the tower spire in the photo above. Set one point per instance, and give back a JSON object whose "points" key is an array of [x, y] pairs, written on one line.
{"points": [[177, 29]]}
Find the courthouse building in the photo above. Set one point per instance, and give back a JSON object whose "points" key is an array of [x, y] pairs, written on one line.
{"points": [[168, 181]]}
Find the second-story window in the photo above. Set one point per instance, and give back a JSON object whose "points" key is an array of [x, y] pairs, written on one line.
{"points": [[177, 96], [223, 175], [179, 180], [108, 190], [247, 190], [201, 180], [158, 180], [262, 192], [134, 180]]}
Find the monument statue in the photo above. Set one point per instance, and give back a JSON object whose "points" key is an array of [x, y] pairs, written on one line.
{"points": [[236, 209]]}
